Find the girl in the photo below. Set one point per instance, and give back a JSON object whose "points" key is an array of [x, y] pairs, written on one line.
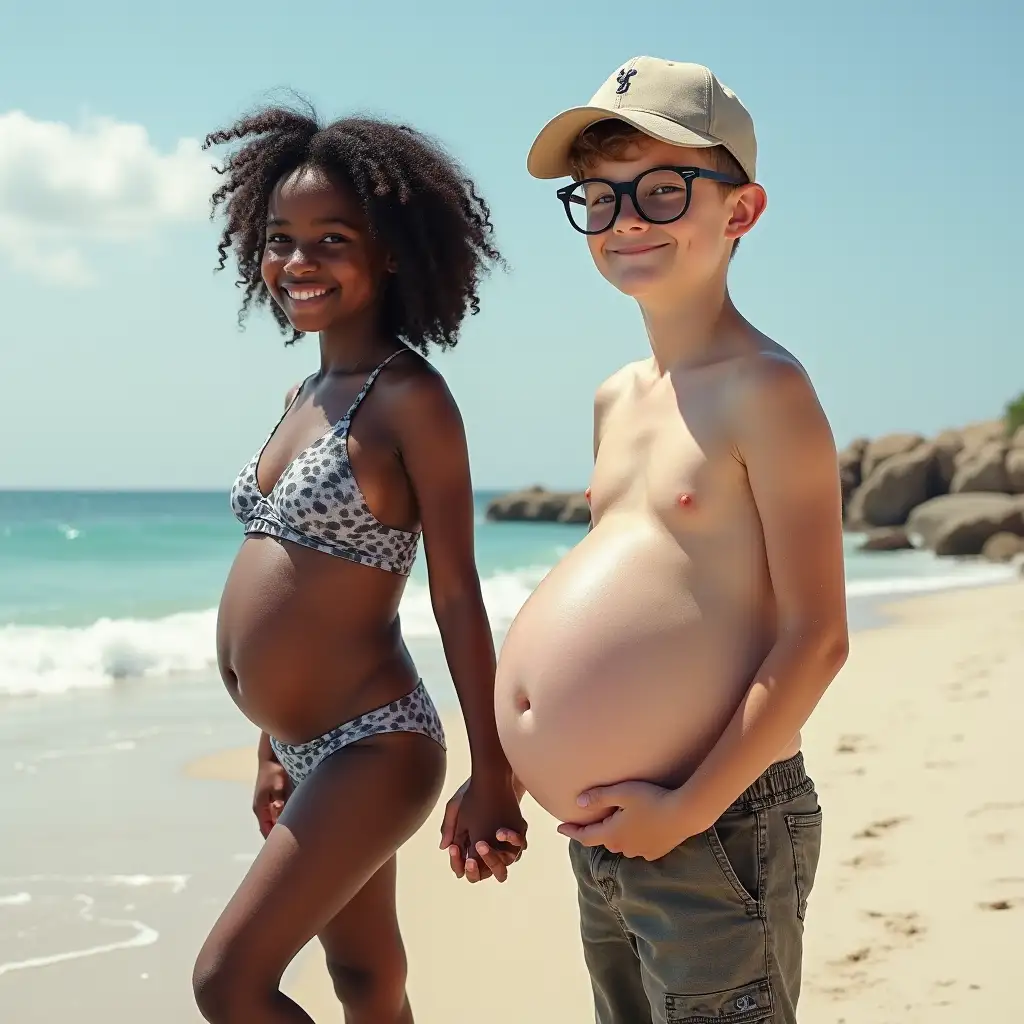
{"points": [[367, 234]]}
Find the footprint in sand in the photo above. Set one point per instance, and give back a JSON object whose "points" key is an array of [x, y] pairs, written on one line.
{"points": [[849, 744], [854, 971], [1000, 905], [871, 859], [998, 838], [958, 695], [906, 925], [857, 966], [876, 828], [997, 808]]}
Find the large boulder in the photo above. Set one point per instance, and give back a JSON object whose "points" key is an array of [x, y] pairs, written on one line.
{"points": [[968, 535], [1015, 470], [977, 434], [999, 511], [884, 448], [948, 445], [850, 467], [1017, 441], [537, 505], [886, 538], [896, 486], [1003, 547], [982, 469]]}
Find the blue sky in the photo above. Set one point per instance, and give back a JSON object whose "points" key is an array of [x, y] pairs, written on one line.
{"points": [[890, 142]]}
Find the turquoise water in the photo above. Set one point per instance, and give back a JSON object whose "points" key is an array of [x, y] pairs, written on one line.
{"points": [[98, 586]]}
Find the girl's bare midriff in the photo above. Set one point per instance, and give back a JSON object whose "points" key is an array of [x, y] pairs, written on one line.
{"points": [[307, 641]]}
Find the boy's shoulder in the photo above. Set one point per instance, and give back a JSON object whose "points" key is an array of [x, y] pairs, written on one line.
{"points": [[769, 376], [612, 388], [774, 413]]}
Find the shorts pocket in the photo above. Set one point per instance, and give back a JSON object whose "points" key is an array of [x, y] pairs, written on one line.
{"points": [[805, 838], [744, 1005], [735, 841]]}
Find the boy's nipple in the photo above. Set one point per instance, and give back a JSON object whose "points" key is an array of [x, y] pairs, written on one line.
{"points": [[685, 499]]}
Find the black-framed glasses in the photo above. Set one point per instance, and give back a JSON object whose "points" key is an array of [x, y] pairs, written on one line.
{"points": [[659, 195]]}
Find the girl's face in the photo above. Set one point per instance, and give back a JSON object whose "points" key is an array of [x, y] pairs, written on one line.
{"points": [[320, 263]]}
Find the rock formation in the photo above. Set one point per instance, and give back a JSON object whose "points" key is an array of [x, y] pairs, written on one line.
{"points": [[952, 492], [538, 505]]}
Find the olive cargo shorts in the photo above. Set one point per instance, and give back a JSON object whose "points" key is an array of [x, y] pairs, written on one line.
{"points": [[712, 932]]}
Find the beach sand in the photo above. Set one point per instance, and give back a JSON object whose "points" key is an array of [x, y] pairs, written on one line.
{"points": [[124, 837], [919, 899]]}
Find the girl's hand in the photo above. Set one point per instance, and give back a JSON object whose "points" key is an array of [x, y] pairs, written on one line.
{"points": [[482, 812], [273, 788]]}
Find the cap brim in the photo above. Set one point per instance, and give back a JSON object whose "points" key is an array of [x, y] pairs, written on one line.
{"points": [[549, 154]]}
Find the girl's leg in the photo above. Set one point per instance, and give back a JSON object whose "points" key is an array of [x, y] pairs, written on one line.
{"points": [[338, 829], [366, 957]]}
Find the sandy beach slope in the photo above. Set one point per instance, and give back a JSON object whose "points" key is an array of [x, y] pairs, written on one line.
{"points": [[919, 901]]}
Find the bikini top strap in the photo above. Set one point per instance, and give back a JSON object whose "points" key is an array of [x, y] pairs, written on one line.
{"points": [[374, 373], [287, 409]]}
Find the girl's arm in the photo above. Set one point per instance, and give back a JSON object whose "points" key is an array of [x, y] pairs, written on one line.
{"points": [[435, 454]]}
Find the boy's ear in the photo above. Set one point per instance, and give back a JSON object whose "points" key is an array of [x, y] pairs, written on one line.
{"points": [[748, 204]]}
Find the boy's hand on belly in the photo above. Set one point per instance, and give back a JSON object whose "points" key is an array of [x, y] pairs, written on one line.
{"points": [[484, 829], [643, 820]]}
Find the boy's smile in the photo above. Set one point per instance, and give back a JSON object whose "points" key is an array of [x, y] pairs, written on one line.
{"points": [[635, 250]]}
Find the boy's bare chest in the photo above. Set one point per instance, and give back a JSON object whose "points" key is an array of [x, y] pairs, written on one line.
{"points": [[673, 461]]}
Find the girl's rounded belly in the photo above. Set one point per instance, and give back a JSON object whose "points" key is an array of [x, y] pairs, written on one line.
{"points": [[293, 653], [619, 667]]}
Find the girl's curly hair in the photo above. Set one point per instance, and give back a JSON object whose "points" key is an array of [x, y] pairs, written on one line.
{"points": [[420, 204]]}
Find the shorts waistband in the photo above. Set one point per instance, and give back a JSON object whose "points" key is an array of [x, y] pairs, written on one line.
{"points": [[782, 782]]}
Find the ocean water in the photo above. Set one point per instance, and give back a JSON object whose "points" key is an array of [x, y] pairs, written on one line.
{"points": [[104, 586]]}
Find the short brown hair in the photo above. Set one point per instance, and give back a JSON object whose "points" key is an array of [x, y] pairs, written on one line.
{"points": [[609, 139]]}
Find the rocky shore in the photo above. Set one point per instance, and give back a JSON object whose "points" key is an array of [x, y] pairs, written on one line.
{"points": [[539, 505], [960, 493]]}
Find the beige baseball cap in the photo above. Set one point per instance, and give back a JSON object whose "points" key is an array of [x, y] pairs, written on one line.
{"points": [[682, 104]]}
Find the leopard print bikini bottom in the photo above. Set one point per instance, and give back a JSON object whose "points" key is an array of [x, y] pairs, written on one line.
{"points": [[415, 712]]}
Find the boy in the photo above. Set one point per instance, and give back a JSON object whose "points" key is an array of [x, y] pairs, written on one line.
{"points": [[711, 583]]}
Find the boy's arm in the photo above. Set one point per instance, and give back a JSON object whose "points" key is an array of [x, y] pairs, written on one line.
{"points": [[785, 443]]}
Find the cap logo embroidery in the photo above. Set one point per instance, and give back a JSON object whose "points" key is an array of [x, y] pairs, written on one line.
{"points": [[623, 78]]}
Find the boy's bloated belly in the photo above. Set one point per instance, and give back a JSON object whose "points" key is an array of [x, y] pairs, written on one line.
{"points": [[625, 664]]}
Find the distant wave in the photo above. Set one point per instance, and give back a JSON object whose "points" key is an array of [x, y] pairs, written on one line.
{"points": [[56, 659]]}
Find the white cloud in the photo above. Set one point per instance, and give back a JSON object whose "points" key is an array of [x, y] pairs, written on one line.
{"points": [[62, 187]]}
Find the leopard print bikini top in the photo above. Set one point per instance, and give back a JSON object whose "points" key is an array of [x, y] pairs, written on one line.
{"points": [[317, 502]]}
